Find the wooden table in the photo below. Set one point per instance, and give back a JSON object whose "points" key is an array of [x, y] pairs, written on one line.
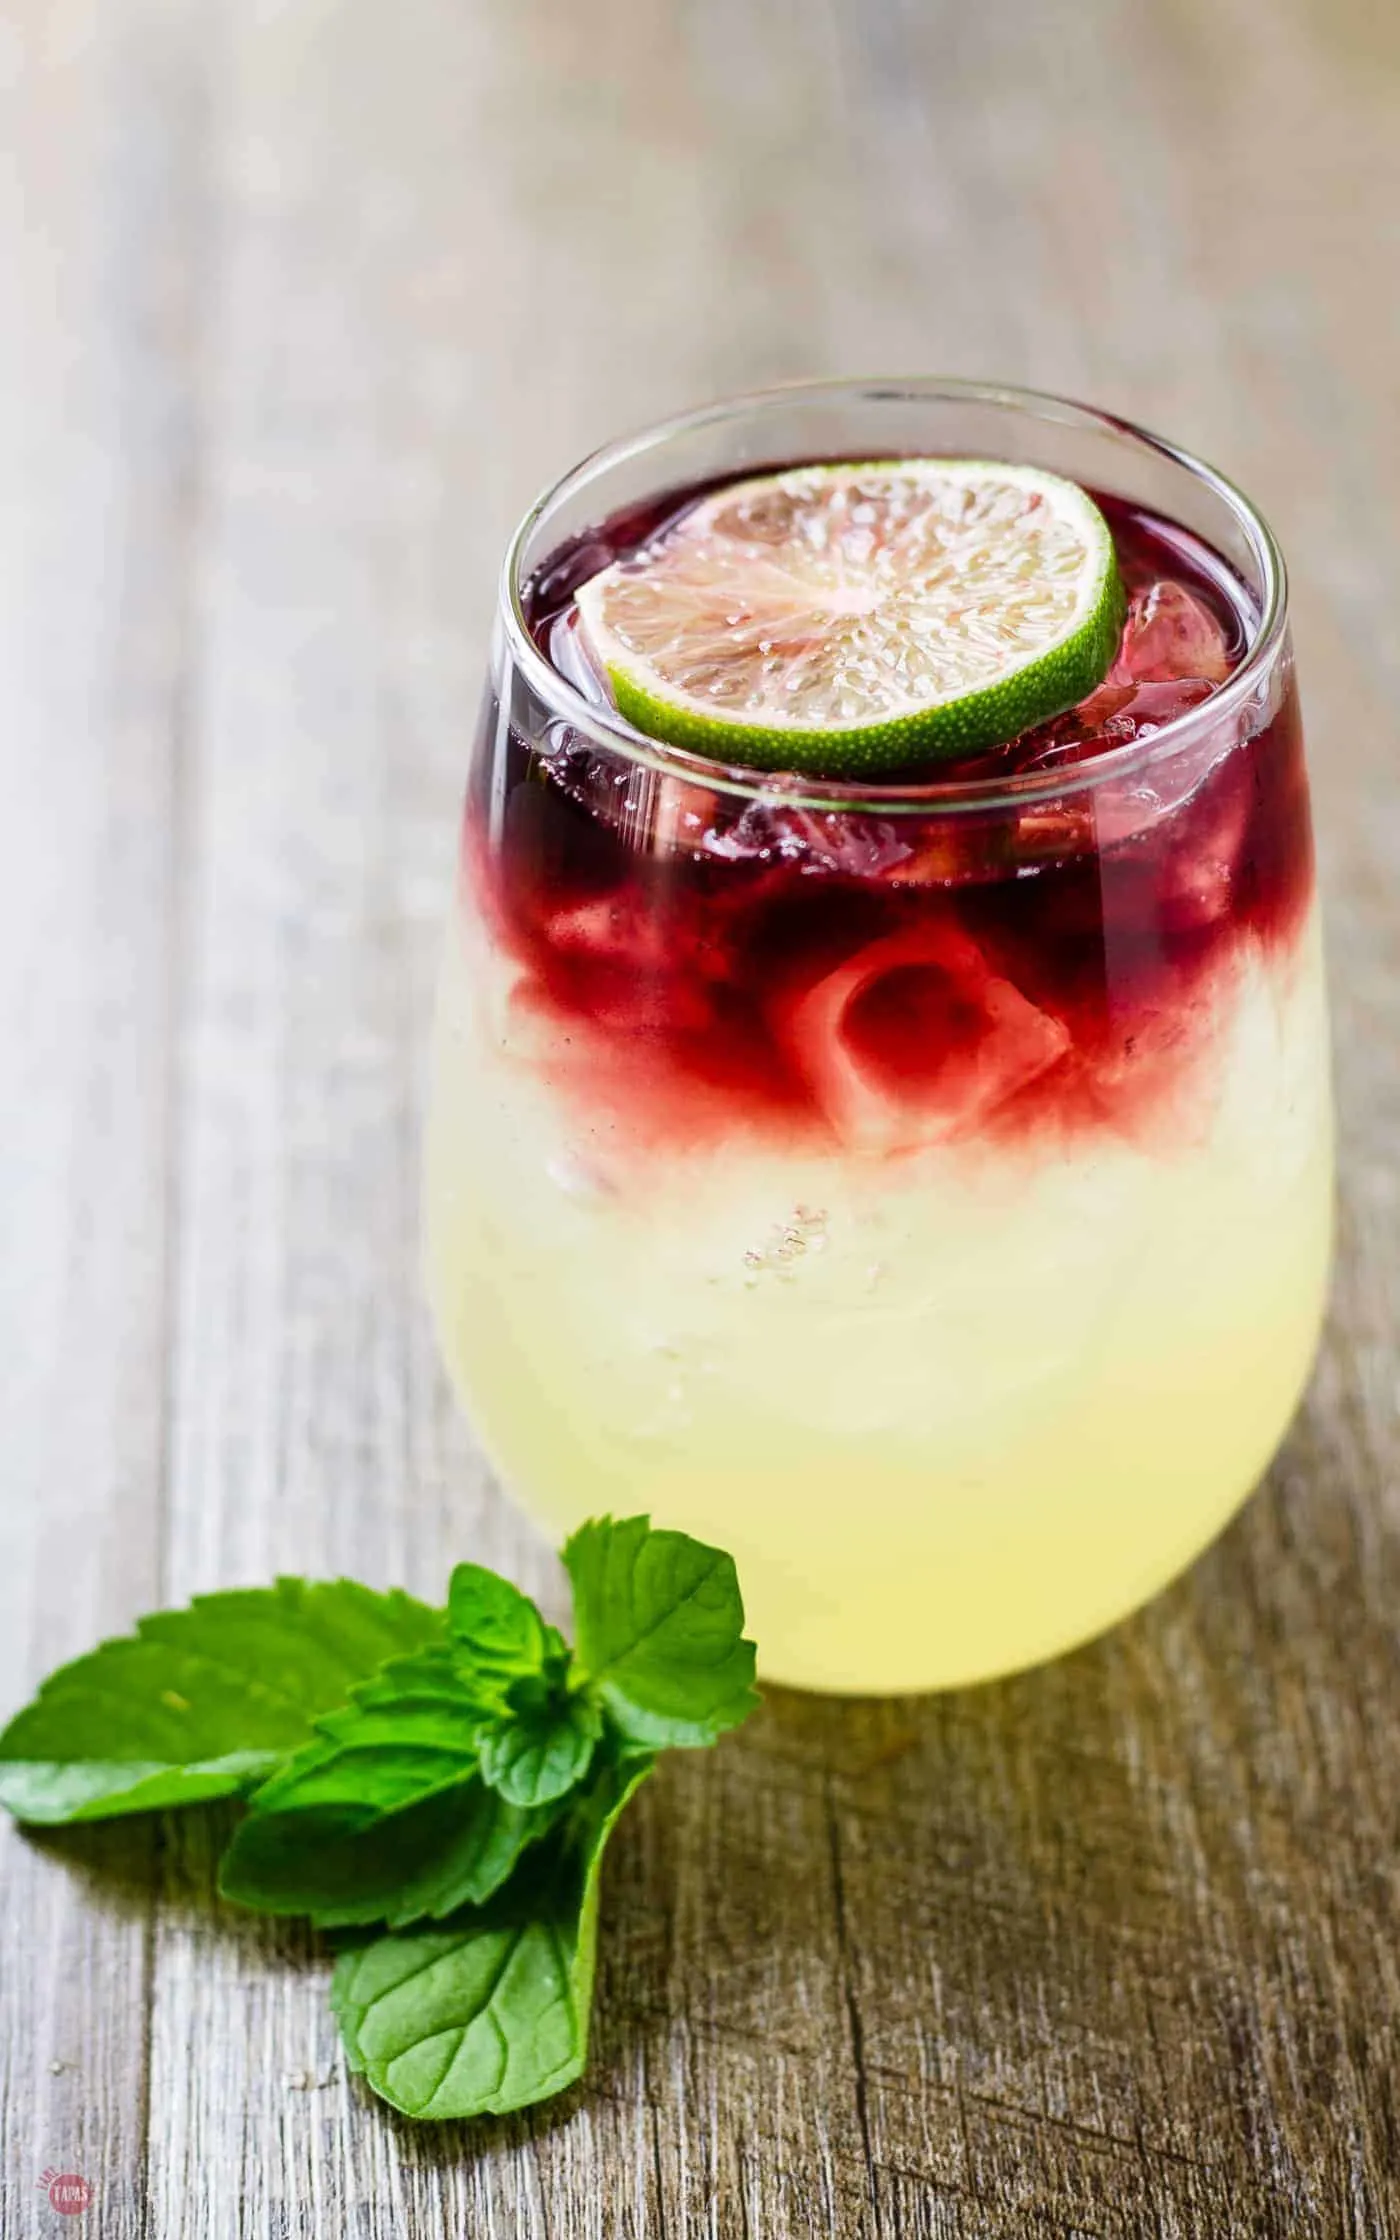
{"points": [[299, 301]]}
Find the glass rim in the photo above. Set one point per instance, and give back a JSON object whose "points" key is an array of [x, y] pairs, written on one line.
{"points": [[609, 729]]}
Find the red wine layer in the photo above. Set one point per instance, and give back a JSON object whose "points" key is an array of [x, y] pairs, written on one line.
{"points": [[691, 961]]}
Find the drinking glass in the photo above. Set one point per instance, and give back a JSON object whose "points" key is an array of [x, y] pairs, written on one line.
{"points": [[922, 1190]]}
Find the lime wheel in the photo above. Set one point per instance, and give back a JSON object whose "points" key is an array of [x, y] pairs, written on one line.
{"points": [[860, 620]]}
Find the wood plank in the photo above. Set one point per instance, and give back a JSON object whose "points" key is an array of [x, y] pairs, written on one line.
{"points": [[98, 245]]}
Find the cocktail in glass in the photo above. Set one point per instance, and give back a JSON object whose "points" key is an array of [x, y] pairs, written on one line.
{"points": [[923, 1188]]}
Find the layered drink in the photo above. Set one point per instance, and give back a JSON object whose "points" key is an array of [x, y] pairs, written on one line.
{"points": [[880, 1126]]}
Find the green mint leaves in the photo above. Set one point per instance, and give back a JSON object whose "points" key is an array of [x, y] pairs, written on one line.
{"points": [[199, 1703], [498, 1635], [491, 2013], [384, 1816], [658, 1620], [449, 1777], [543, 1748]]}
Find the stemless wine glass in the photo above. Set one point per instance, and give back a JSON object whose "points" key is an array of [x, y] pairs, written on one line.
{"points": [[924, 1190]]}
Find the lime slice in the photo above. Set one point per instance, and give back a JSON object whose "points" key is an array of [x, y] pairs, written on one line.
{"points": [[859, 619]]}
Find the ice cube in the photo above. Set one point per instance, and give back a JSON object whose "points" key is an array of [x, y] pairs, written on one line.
{"points": [[632, 965], [818, 839], [1122, 811], [1151, 705], [949, 852], [1201, 876], [915, 1040], [1169, 634], [1114, 716], [750, 837], [1053, 831], [1096, 723], [1102, 705], [683, 815]]}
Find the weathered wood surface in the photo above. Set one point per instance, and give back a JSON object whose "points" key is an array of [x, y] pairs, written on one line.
{"points": [[298, 303]]}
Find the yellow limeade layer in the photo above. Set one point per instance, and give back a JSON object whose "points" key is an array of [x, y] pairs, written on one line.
{"points": [[952, 1413]]}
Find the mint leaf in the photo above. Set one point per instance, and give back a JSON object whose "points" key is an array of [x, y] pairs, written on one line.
{"points": [[543, 1750], [499, 1633], [658, 1626], [451, 1848], [199, 1702], [490, 2013], [538, 1740], [384, 1816]]}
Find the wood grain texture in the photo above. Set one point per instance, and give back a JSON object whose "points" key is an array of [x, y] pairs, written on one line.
{"points": [[96, 464], [298, 304]]}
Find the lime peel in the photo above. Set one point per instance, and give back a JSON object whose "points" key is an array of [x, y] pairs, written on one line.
{"points": [[861, 619]]}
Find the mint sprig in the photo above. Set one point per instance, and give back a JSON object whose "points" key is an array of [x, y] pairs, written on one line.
{"points": [[450, 1775]]}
